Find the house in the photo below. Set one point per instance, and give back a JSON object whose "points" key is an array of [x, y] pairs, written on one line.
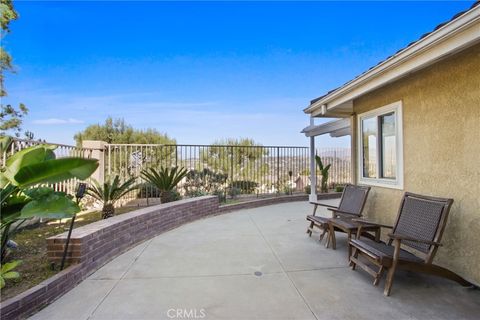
{"points": [[414, 122]]}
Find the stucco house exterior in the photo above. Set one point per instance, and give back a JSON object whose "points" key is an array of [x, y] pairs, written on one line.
{"points": [[414, 122]]}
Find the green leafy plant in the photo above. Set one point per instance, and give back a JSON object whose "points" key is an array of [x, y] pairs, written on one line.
{"points": [[245, 186], [203, 182], [110, 192], [22, 197], [165, 179], [6, 271], [324, 173], [307, 189]]}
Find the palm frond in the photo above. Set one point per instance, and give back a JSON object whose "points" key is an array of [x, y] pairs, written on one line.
{"points": [[165, 179]]}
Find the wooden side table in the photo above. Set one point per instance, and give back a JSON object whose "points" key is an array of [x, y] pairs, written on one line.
{"points": [[350, 227]]}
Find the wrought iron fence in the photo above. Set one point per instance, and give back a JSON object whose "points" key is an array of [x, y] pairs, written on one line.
{"points": [[62, 151], [225, 169], [213, 169]]}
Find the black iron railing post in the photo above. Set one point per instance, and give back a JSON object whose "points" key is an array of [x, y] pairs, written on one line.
{"points": [[278, 171]]}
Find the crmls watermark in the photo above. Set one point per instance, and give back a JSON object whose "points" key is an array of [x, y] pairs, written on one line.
{"points": [[186, 313]]}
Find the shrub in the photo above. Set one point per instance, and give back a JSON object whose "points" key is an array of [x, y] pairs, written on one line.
{"points": [[165, 179], [245, 186], [148, 190], [203, 182], [110, 192], [221, 195], [307, 189], [339, 188], [233, 192]]}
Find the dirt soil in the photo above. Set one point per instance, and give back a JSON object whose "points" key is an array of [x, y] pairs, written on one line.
{"points": [[32, 250]]}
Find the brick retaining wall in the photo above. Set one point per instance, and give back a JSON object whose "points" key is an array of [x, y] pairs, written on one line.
{"points": [[274, 200], [93, 245]]}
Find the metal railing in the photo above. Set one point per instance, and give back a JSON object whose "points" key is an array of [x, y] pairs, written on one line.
{"points": [[62, 151], [234, 170], [213, 169]]}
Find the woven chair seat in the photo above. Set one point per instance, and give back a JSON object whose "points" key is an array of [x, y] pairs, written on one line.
{"points": [[382, 251]]}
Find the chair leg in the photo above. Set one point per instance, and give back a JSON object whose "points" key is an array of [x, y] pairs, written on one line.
{"points": [[309, 230], [325, 230], [391, 270], [355, 255], [349, 237], [379, 276], [332, 236]]}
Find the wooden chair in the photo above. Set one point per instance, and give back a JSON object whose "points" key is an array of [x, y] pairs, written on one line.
{"points": [[351, 206], [419, 225]]}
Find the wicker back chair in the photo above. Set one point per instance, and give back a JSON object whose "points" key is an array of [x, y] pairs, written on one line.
{"points": [[419, 225], [351, 205], [353, 200]]}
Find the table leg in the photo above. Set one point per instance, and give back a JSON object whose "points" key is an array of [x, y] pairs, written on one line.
{"points": [[332, 236], [349, 235]]}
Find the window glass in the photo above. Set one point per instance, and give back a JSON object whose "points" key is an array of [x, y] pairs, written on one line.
{"points": [[369, 142], [389, 146]]}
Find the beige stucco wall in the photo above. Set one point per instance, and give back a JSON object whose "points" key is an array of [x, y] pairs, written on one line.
{"points": [[441, 134]]}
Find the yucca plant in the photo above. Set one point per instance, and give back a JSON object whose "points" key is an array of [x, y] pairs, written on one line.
{"points": [[165, 179], [110, 192], [323, 173]]}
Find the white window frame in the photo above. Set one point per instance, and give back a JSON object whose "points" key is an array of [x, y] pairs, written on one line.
{"points": [[396, 183]]}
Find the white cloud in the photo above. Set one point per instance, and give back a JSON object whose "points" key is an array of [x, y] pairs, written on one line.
{"points": [[53, 121]]}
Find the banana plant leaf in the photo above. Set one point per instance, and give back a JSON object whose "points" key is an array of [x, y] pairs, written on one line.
{"points": [[27, 157], [54, 170], [55, 205], [4, 143]]}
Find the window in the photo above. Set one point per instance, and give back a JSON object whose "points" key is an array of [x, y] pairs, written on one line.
{"points": [[380, 145]]}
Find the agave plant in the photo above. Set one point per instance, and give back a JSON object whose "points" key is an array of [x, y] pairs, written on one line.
{"points": [[110, 192], [165, 179], [324, 174]]}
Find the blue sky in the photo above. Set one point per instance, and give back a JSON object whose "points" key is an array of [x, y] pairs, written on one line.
{"points": [[200, 71]]}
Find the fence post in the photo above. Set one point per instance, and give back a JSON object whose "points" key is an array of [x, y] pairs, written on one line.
{"points": [[98, 152], [231, 164], [278, 171]]}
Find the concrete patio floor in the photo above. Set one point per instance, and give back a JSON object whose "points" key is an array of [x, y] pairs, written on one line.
{"points": [[253, 264]]}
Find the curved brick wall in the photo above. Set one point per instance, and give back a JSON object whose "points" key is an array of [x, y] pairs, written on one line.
{"points": [[93, 245]]}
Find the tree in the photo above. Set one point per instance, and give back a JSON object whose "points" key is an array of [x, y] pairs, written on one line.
{"points": [[126, 161], [11, 118], [238, 158], [117, 131]]}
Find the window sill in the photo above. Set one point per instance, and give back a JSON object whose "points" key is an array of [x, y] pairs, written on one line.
{"points": [[391, 184]]}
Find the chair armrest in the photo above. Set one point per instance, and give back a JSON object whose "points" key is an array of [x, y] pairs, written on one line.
{"points": [[373, 223], [402, 237], [340, 212], [323, 204]]}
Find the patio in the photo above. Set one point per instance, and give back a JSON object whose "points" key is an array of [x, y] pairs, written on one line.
{"points": [[253, 264]]}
